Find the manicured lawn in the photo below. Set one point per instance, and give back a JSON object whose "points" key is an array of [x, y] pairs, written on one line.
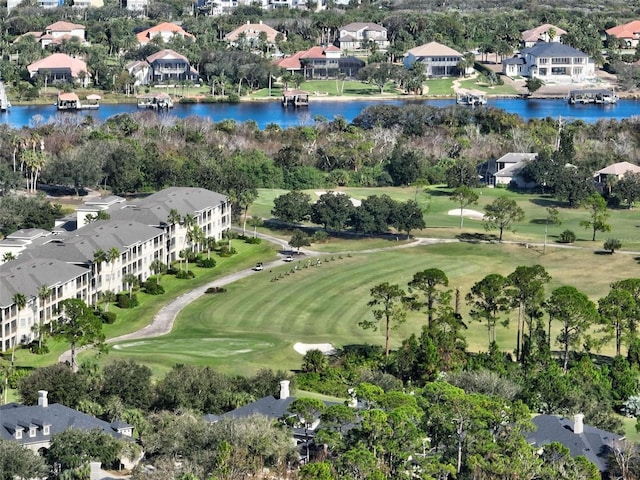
{"points": [[440, 86], [332, 88], [477, 84], [435, 200], [255, 324]]}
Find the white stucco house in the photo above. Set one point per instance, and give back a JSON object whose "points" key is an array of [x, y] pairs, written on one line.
{"points": [[551, 62], [438, 59]]}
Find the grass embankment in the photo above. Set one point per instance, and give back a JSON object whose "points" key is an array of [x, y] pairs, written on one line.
{"points": [[134, 319]]}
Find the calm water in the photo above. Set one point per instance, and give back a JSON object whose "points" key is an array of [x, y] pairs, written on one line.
{"points": [[272, 112]]}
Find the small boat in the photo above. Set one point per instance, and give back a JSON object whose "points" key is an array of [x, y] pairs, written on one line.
{"points": [[594, 95], [471, 97]]}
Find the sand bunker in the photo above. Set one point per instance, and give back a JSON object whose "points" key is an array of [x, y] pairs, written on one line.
{"points": [[303, 348], [468, 213], [354, 201]]}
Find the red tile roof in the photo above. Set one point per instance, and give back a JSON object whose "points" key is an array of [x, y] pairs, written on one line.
{"points": [[628, 30], [146, 35], [64, 27], [59, 61]]}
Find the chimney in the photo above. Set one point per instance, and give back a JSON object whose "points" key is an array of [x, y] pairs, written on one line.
{"points": [[284, 389], [578, 426], [248, 22], [260, 22], [42, 398]]}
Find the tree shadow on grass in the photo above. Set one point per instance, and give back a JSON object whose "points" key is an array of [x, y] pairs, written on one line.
{"points": [[477, 237], [602, 252], [546, 201]]}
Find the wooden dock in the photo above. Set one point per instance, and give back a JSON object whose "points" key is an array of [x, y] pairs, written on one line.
{"points": [[4, 102], [295, 98]]}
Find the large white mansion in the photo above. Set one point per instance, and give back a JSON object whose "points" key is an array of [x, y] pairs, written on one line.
{"points": [[63, 263]]}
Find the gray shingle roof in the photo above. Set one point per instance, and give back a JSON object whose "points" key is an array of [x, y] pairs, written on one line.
{"points": [[593, 443], [553, 49], [154, 209], [79, 246], [26, 275], [57, 416]]}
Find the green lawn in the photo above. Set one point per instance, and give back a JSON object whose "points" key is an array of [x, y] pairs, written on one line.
{"points": [[440, 86], [435, 200], [333, 88], [477, 84], [256, 323]]}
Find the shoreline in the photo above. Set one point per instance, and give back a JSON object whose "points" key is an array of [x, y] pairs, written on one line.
{"points": [[627, 95]]}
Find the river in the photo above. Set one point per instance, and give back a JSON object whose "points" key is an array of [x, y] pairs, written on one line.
{"points": [[264, 113]]}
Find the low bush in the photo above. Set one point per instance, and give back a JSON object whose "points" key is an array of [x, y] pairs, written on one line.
{"points": [[152, 287], [215, 290], [172, 271], [567, 237], [206, 263], [15, 377], [319, 236], [124, 301], [108, 317], [233, 98], [38, 349], [188, 100], [185, 275], [225, 251], [253, 240]]}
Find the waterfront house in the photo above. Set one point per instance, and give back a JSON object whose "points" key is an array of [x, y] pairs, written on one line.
{"points": [[249, 35], [550, 62], [60, 67], [166, 31], [321, 62], [140, 70], [506, 170], [439, 60], [357, 37], [542, 33], [64, 260], [33, 426], [169, 66], [581, 439], [628, 32]]}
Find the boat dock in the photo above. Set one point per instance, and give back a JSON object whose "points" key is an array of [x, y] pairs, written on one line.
{"points": [[295, 98], [593, 95], [71, 102], [156, 101], [4, 102], [471, 97]]}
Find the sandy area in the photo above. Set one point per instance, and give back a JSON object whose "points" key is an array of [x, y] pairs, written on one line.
{"points": [[354, 201], [303, 348], [468, 213]]}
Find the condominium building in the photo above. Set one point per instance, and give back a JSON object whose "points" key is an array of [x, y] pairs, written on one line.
{"points": [[48, 268]]}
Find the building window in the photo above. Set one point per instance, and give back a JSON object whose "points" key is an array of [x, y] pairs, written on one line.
{"points": [[32, 432], [45, 429], [18, 434]]}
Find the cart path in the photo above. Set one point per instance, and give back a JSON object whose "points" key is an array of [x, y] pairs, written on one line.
{"points": [[163, 321]]}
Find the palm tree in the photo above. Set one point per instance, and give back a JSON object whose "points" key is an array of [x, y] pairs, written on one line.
{"points": [[44, 293], [157, 267], [189, 223], [20, 301], [112, 255], [99, 257], [210, 243], [255, 222], [108, 296], [130, 281], [8, 256], [173, 219]]}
